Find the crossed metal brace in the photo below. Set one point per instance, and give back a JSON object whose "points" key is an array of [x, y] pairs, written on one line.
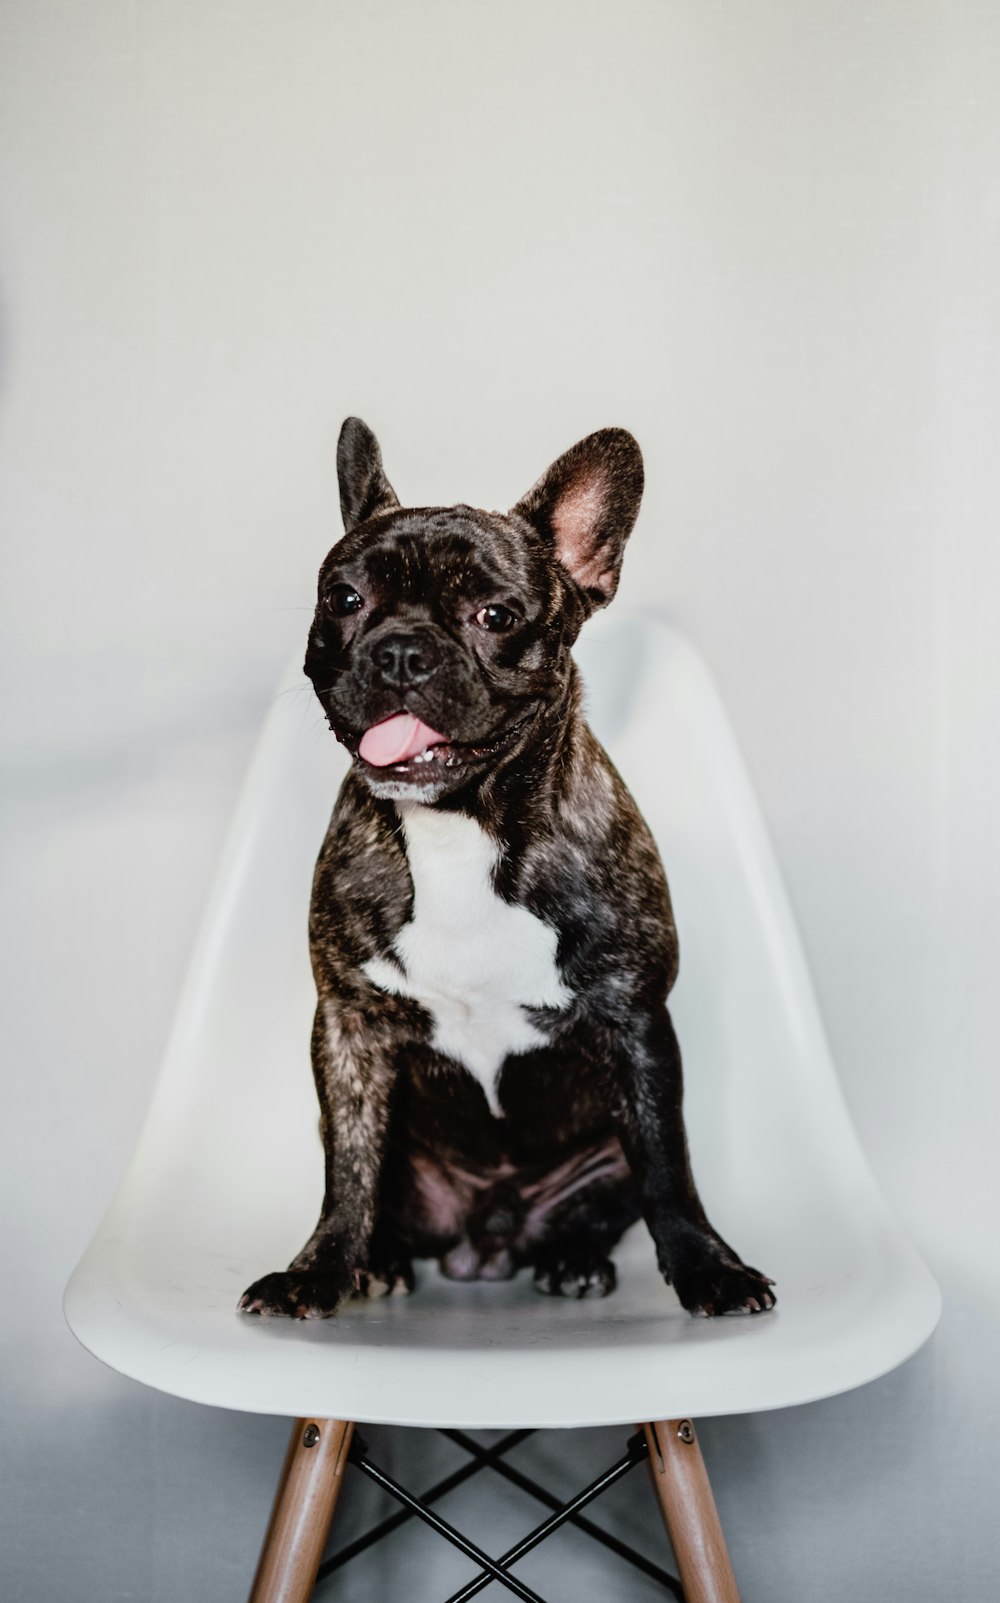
{"points": [[498, 1569]]}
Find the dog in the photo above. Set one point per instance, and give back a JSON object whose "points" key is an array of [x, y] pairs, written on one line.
{"points": [[491, 930]]}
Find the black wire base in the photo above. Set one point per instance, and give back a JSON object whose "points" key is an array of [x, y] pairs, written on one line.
{"points": [[498, 1569]]}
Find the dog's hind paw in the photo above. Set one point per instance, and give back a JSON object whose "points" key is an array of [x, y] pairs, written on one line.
{"points": [[559, 1277], [297, 1294], [384, 1279]]}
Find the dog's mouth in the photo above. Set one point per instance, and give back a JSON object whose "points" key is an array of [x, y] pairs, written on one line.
{"points": [[400, 740], [402, 746]]}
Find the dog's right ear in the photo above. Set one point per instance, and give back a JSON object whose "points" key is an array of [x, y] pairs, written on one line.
{"points": [[364, 489], [585, 506]]}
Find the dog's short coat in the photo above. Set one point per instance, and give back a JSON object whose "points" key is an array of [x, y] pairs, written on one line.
{"points": [[491, 932]]}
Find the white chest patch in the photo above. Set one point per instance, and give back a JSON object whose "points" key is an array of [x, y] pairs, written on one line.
{"points": [[474, 961]]}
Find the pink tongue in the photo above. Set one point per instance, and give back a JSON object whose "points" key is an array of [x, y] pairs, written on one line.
{"points": [[397, 738]]}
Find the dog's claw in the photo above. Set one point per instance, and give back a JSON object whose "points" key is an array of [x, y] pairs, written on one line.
{"points": [[718, 1286]]}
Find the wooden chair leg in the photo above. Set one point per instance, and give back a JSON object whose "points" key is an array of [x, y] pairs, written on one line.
{"points": [[303, 1508], [688, 1507]]}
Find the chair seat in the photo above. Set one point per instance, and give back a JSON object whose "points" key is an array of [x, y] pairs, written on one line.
{"points": [[226, 1179]]}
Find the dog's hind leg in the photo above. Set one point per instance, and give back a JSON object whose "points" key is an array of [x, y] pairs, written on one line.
{"points": [[576, 1214], [491, 1229]]}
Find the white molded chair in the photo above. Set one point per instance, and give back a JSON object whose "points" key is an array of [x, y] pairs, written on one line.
{"points": [[226, 1179]]}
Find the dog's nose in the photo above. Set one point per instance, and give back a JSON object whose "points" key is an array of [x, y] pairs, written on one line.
{"points": [[406, 659]]}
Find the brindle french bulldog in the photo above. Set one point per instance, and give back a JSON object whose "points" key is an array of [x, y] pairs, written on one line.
{"points": [[491, 932]]}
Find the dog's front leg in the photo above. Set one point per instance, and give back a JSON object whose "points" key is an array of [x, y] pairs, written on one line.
{"points": [[708, 1276], [355, 1074]]}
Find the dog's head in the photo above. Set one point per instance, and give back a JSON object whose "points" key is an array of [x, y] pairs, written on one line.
{"points": [[442, 634]]}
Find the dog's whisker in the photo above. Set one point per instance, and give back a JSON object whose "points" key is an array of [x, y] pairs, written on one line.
{"points": [[291, 690]]}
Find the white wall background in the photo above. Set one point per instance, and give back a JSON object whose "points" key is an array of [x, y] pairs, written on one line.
{"points": [[763, 236]]}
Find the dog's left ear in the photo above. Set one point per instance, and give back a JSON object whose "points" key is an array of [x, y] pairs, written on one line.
{"points": [[585, 506], [364, 489]]}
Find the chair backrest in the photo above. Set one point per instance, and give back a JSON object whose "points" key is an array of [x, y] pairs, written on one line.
{"points": [[227, 1177]]}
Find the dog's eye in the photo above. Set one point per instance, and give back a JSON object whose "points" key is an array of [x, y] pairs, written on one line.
{"points": [[342, 600], [495, 618]]}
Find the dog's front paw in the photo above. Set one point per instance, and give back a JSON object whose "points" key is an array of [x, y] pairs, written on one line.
{"points": [[298, 1293], [719, 1283]]}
